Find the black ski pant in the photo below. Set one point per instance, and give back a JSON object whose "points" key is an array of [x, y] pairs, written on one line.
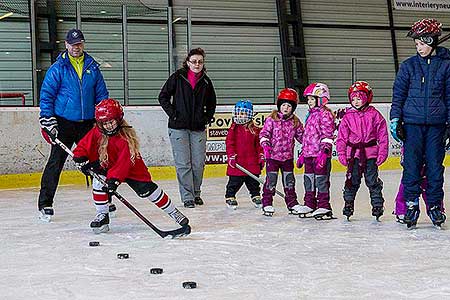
{"points": [[69, 132], [235, 183]]}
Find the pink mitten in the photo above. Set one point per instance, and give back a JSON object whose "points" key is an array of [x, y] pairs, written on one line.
{"points": [[267, 152], [300, 161], [261, 161], [321, 160]]}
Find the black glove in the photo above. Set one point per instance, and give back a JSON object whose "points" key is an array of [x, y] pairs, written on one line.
{"points": [[400, 131], [447, 138], [111, 185], [82, 163]]}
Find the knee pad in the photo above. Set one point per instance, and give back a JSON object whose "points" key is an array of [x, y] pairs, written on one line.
{"points": [[289, 180], [272, 178], [322, 183], [145, 189], [308, 182]]}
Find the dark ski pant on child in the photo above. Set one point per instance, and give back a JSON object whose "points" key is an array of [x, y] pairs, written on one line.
{"points": [[69, 132], [424, 145], [372, 180], [287, 175], [235, 183], [317, 184]]}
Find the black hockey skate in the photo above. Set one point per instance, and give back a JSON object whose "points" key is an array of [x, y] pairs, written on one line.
{"points": [[412, 214], [436, 216], [46, 214], [100, 223], [179, 217], [256, 200], [112, 210], [231, 202], [377, 212], [348, 209]]}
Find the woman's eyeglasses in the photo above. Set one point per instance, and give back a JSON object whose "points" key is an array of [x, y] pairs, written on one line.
{"points": [[195, 62]]}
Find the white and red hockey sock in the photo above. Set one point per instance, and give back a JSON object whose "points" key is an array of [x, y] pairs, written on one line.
{"points": [[100, 197], [163, 201]]}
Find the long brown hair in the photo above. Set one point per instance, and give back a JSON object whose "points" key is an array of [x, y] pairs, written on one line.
{"points": [[274, 115], [126, 132]]}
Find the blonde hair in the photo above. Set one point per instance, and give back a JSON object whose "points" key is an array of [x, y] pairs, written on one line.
{"points": [[126, 132], [274, 115]]}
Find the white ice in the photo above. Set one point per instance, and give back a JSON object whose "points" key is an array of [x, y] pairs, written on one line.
{"points": [[231, 254]]}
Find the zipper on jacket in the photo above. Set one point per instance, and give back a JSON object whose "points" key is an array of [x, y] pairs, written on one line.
{"points": [[81, 88], [427, 89], [193, 95]]}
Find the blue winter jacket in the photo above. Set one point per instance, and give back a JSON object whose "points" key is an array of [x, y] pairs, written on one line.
{"points": [[64, 95], [421, 92]]}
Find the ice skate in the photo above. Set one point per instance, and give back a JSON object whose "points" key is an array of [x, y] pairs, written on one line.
{"points": [[179, 217], [46, 214], [268, 211], [305, 212], [377, 212], [100, 223], [412, 214], [112, 210], [348, 209], [294, 210], [231, 202], [436, 216], [256, 200], [323, 214], [400, 219]]}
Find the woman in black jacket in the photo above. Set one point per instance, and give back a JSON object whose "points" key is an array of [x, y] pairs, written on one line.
{"points": [[189, 99]]}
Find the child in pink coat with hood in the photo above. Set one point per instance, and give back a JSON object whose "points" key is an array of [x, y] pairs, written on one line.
{"points": [[316, 152], [362, 145]]}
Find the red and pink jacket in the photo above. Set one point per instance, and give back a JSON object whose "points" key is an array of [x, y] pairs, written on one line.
{"points": [[365, 126], [319, 129], [280, 136]]}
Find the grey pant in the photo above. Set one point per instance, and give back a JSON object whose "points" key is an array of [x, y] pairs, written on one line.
{"points": [[189, 153]]}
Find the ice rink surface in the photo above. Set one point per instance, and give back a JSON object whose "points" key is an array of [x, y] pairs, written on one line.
{"points": [[230, 254]]}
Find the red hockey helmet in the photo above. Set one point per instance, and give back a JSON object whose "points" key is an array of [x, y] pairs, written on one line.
{"points": [[425, 28], [107, 110], [361, 86], [288, 95]]}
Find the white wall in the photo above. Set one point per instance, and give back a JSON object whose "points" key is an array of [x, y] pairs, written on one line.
{"points": [[22, 149]]}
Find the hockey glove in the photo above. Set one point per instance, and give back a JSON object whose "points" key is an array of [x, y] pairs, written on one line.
{"points": [[49, 125], [82, 163], [447, 138], [397, 131], [111, 185], [232, 161], [300, 161]]}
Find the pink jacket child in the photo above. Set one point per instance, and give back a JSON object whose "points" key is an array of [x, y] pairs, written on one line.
{"points": [[362, 145], [316, 152], [277, 138], [243, 148]]}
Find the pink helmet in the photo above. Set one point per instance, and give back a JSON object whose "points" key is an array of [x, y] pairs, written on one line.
{"points": [[320, 91]]}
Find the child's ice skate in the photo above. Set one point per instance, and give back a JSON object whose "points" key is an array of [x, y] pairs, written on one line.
{"points": [[268, 211], [305, 211], [46, 214], [256, 200], [294, 210], [323, 214], [436, 216], [100, 223], [179, 217], [348, 209], [231, 202], [400, 219], [412, 214], [377, 212]]}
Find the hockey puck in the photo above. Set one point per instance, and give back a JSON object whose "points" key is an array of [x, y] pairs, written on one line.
{"points": [[123, 256], [94, 244], [156, 271], [189, 284]]}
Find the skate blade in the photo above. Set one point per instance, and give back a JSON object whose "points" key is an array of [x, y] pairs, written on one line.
{"points": [[102, 229], [324, 217], [305, 216], [411, 227], [438, 227], [293, 212], [268, 214], [233, 207]]}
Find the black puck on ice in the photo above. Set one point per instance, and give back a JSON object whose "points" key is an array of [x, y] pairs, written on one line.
{"points": [[94, 244], [123, 256], [189, 284], [156, 271]]}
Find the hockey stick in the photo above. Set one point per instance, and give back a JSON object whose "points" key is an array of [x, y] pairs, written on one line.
{"points": [[444, 38], [173, 233], [260, 180]]}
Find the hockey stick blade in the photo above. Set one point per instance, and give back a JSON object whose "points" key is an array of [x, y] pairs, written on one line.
{"points": [[260, 180], [184, 230]]}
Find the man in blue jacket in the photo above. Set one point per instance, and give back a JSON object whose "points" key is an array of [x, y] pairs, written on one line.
{"points": [[420, 118], [73, 85]]}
